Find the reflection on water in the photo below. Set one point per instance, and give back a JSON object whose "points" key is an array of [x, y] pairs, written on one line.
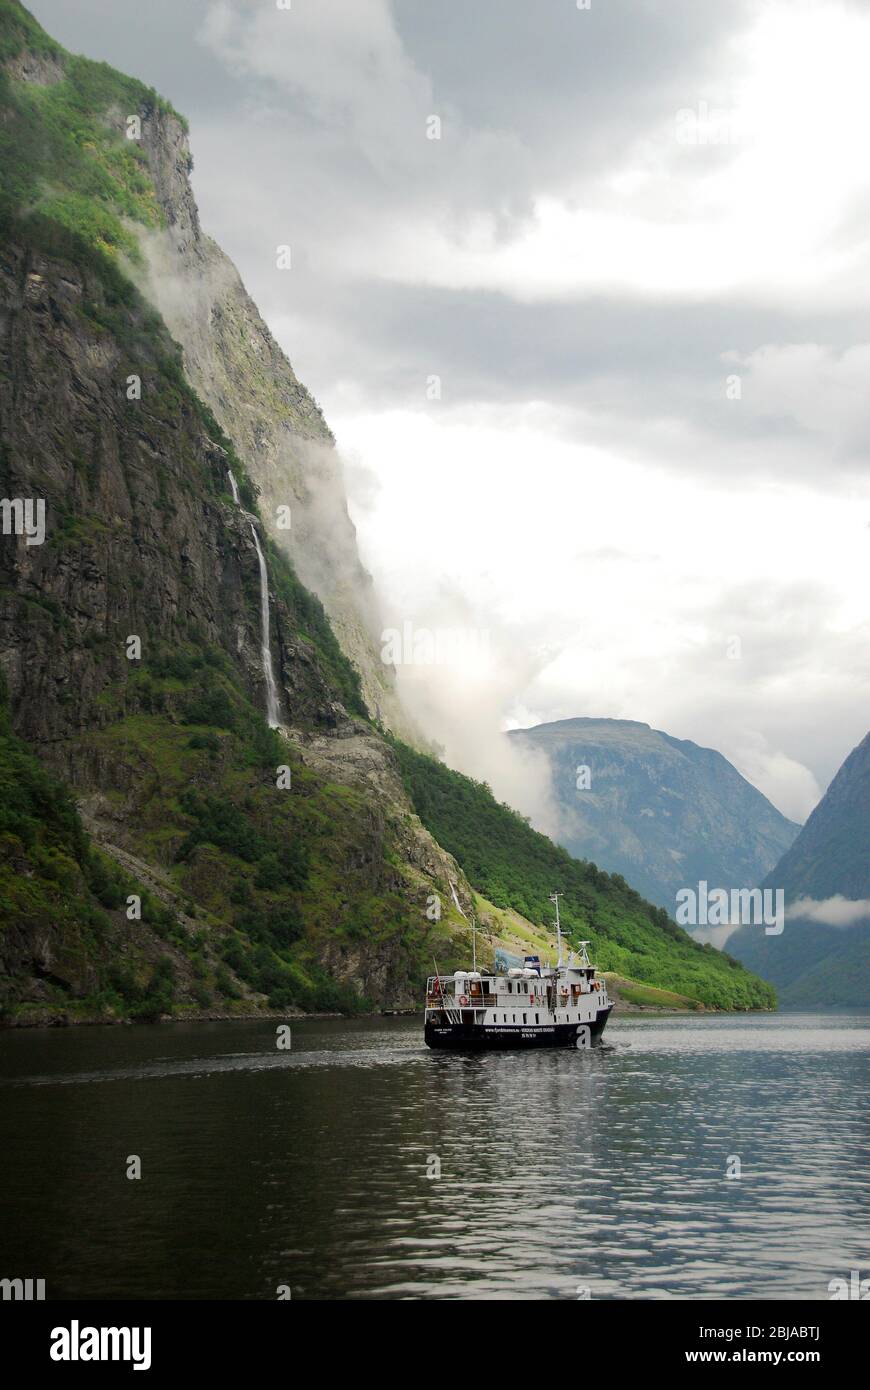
{"points": [[559, 1170]]}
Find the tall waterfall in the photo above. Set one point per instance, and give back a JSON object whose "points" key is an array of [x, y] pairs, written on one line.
{"points": [[272, 710], [234, 485]]}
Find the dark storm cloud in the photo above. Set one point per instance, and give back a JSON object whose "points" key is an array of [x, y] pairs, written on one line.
{"points": [[154, 40], [573, 85], [611, 365]]}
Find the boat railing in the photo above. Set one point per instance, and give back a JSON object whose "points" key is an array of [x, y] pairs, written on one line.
{"points": [[435, 1000]]}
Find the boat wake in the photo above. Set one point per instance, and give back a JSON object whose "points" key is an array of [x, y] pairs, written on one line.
{"points": [[227, 1064]]}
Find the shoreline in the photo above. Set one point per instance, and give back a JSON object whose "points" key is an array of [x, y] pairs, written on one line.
{"points": [[622, 1008]]}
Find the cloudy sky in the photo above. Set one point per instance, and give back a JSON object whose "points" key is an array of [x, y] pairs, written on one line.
{"points": [[637, 263]]}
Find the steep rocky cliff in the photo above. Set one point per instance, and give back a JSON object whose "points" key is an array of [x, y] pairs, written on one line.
{"points": [[823, 956], [832, 852], [238, 369], [146, 553]]}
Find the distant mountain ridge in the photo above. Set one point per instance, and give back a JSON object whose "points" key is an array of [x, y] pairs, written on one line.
{"points": [[661, 811], [812, 962]]}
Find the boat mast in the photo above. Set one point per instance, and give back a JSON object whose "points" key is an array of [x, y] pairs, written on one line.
{"points": [[452, 1015], [474, 943], [554, 898]]}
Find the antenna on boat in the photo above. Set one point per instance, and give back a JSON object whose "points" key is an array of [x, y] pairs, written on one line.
{"points": [[474, 943], [554, 898]]}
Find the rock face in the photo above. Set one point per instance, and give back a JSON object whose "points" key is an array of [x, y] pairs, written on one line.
{"points": [[238, 369], [832, 853], [140, 542], [661, 811], [814, 961]]}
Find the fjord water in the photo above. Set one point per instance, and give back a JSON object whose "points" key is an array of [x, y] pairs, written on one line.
{"points": [[561, 1172]]}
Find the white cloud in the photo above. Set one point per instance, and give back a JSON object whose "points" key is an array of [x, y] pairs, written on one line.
{"points": [[832, 912], [819, 389], [764, 216], [783, 780], [626, 585], [344, 62]]}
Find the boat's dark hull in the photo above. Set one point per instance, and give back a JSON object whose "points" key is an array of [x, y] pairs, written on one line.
{"points": [[486, 1037]]}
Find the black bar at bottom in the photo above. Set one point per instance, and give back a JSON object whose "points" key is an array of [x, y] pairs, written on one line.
{"points": [[259, 1338]]}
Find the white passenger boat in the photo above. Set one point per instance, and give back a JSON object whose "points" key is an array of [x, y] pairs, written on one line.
{"points": [[532, 1005]]}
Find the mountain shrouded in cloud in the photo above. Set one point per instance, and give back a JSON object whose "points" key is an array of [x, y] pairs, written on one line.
{"points": [[660, 811]]}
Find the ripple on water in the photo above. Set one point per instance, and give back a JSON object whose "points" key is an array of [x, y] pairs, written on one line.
{"points": [[559, 1171]]}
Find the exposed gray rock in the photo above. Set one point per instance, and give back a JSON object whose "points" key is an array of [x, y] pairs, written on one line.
{"points": [[239, 370]]}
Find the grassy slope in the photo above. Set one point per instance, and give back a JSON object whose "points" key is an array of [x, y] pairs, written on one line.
{"points": [[512, 864], [53, 880], [59, 156], [811, 965], [841, 979], [242, 853]]}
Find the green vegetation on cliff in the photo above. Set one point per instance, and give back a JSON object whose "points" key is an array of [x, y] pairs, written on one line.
{"points": [[514, 865], [59, 155], [261, 876], [44, 855], [55, 884], [265, 867]]}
